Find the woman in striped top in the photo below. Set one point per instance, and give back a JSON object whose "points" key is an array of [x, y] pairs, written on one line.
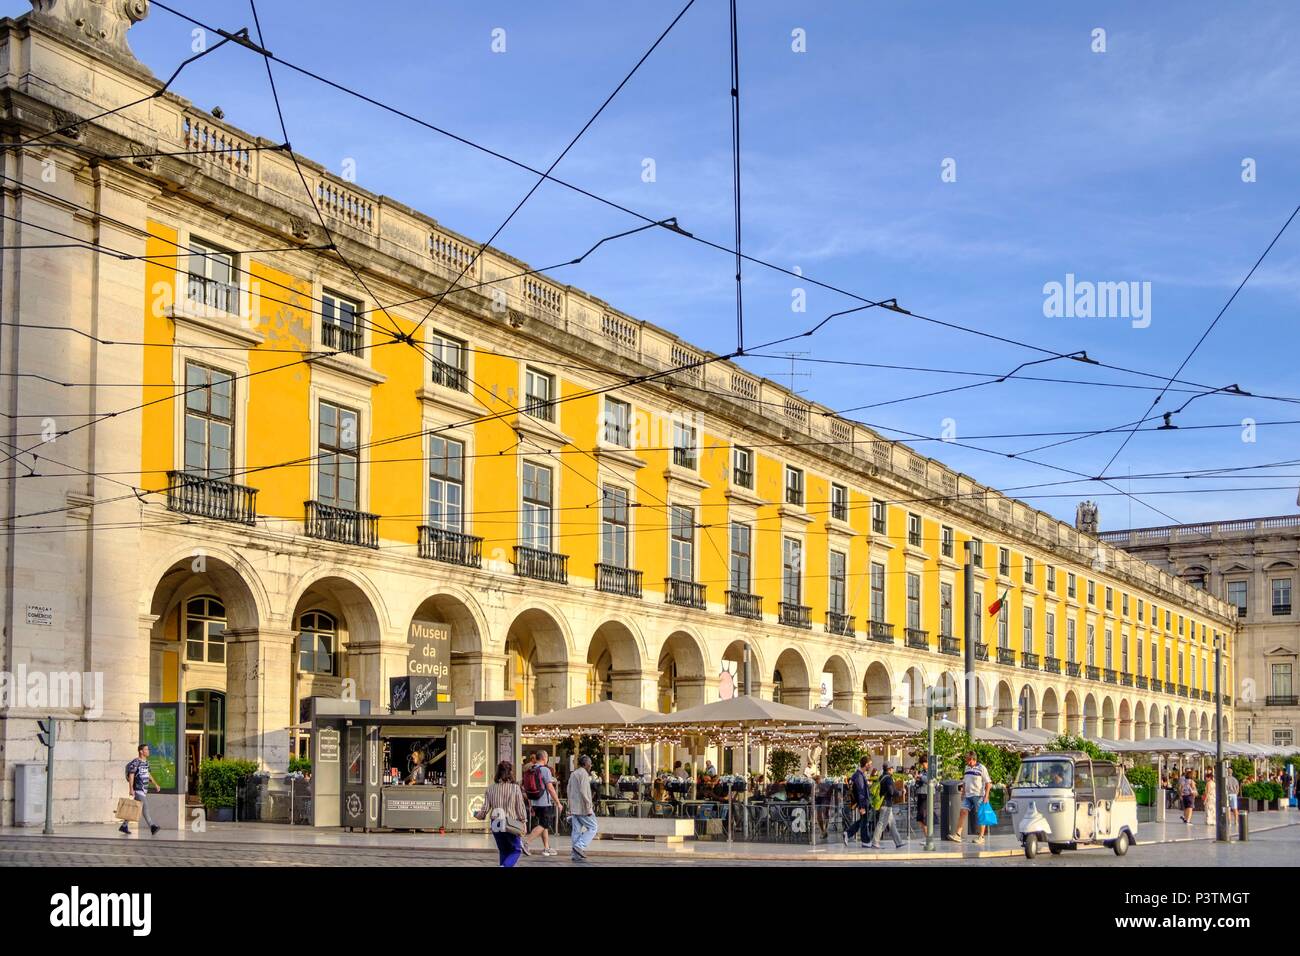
{"points": [[507, 796]]}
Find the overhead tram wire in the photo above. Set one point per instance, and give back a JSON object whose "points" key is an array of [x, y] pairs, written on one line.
{"points": [[735, 173]]}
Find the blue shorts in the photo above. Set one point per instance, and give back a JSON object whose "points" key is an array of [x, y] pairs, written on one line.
{"points": [[971, 803]]}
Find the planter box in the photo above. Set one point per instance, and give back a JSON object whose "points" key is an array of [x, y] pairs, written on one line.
{"points": [[222, 815], [1273, 805], [1260, 805]]}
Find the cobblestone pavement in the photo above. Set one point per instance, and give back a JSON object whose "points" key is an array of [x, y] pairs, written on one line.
{"points": [[1279, 847]]}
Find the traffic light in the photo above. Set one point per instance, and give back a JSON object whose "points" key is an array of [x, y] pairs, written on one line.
{"points": [[47, 732]]}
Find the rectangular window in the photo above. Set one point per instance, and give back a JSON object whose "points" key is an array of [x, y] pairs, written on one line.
{"points": [[1140, 612], [1281, 680], [1124, 605], [977, 552], [1071, 585], [878, 592], [339, 329], [209, 421], [837, 582], [742, 468], [793, 485], [741, 557], [447, 357], [914, 530], [1051, 579], [1110, 649], [1123, 652], [1180, 625], [1237, 596], [1139, 658], [539, 393], [839, 503], [1027, 629], [1281, 596], [791, 571], [1092, 593], [1004, 625], [1071, 642], [684, 445], [978, 617], [682, 546], [1110, 599], [1168, 621], [945, 609], [613, 526], [879, 517], [537, 507], [1004, 562], [211, 281], [914, 601], [446, 484], [338, 462], [1092, 646], [1169, 671], [618, 422], [1050, 621], [1029, 570], [1282, 737], [946, 541], [1155, 660]]}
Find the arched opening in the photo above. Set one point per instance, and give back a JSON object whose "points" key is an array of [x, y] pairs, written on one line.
{"points": [[1091, 725], [877, 690], [837, 684], [1181, 726], [1166, 724], [1140, 722], [1108, 728], [1028, 712], [681, 673], [790, 680], [1193, 726], [731, 671], [1206, 724], [948, 697], [1073, 717], [1125, 721], [1006, 708], [614, 666], [912, 692], [537, 664], [444, 621], [1051, 711]]}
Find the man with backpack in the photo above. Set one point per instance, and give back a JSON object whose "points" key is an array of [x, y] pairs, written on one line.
{"points": [[139, 780], [890, 793], [539, 787], [860, 783]]}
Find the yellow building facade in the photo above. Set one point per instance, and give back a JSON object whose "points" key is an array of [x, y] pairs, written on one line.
{"points": [[293, 456]]}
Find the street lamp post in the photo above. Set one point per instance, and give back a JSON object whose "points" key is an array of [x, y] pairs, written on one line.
{"points": [[1220, 791], [969, 623]]}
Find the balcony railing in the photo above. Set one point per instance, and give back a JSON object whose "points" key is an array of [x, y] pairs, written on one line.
{"points": [[794, 615], [1141, 682], [541, 565], [981, 652], [1029, 660], [684, 593], [918, 638], [615, 580], [1227, 699], [741, 604], [449, 376], [1110, 675], [838, 623], [949, 645], [1073, 669], [341, 524], [451, 547], [685, 457], [1125, 679], [1156, 685], [1182, 690], [1094, 672], [1052, 665], [1006, 656], [213, 294], [340, 338], [1281, 610], [880, 631], [1207, 695], [211, 498]]}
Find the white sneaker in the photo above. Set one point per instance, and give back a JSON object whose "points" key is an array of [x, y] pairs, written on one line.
{"points": [[549, 852], [954, 838]]}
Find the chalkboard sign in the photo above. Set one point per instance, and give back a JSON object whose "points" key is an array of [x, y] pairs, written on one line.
{"points": [[412, 694], [399, 694]]}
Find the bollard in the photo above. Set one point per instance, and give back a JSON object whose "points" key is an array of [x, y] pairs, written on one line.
{"points": [[1243, 826]]}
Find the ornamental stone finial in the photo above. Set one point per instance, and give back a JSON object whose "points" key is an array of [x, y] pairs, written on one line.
{"points": [[101, 23]]}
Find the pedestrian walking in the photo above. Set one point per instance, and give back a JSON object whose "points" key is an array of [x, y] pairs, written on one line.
{"points": [[1187, 791], [976, 786], [889, 792], [582, 809], [539, 787], [1210, 798], [506, 809], [138, 781], [861, 791], [920, 788], [1231, 790]]}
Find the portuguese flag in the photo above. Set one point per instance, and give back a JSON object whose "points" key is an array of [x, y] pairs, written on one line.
{"points": [[996, 607]]}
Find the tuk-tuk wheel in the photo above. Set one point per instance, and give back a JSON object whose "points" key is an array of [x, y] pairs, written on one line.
{"points": [[1120, 846], [1031, 845], [1056, 848]]}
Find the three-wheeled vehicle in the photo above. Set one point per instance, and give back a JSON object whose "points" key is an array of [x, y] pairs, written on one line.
{"points": [[1067, 799]]}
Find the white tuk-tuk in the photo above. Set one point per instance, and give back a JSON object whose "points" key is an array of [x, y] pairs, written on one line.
{"points": [[1066, 799]]}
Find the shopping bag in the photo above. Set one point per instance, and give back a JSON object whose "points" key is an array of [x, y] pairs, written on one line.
{"points": [[987, 816], [128, 810]]}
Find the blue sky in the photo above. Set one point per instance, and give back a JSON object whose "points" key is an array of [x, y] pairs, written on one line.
{"points": [[1122, 166]]}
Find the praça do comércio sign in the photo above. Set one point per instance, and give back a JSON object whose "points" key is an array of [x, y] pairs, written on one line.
{"points": [[430, 654]]}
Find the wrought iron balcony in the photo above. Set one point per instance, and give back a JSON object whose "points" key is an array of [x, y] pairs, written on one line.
{"points": [[211, 498], [1006, 656], [1141, 682], [838, 623], [1156, 685], [981, 651], [213, 294], [1182, 690], [684, 593], [741, 604], [918, 638], [1052, 665], [794, 615], [451, 547], [541, 565], [1029, 660], [1227, 698], [341, 338], [1109, 675], [949, 645], [615, 580], [1125, 679], [880, 631], [1094, 672], [341, 524], [1073, 669], [449, 376], [685, 457]]}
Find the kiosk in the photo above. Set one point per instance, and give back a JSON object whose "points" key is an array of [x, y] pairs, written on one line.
{"points": [[408, 771]]}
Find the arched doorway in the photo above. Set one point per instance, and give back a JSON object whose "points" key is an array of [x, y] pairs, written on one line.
{"points": [[877, 690], [1073, 717], [682, 678], [205, 731], [1125, 721], [1091, 728], [1108, 729], [1006, 710], [614, 659], [1028, 713], [790, 680], [912, 692], [1051, 711], [537, 663], [1140, 721]]}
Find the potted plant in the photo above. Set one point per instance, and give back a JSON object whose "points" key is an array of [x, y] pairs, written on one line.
{"points": [[798, 787], [1274, 795], [219, 785]]}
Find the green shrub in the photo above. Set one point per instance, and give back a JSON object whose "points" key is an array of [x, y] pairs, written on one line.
{"points": [[951, 746], [1242, 767], [781, 763], [1145, 782], [219, 781], [302, 764], [1066, 742], [842, 757]]}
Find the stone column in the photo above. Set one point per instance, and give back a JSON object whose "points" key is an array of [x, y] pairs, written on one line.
{"points": [[638, 688], [560, 685], [477, 675], [847, 701], [259, 695]]}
